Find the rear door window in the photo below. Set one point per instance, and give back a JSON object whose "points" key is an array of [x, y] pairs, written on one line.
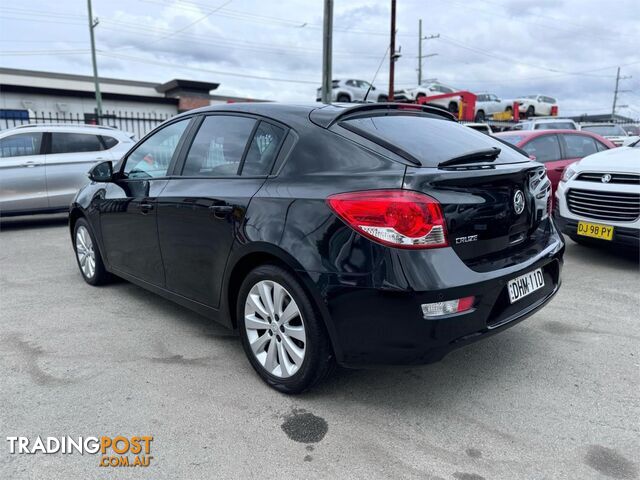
{"points": [[64, 142], [218, 147], [545, 148], [578, 146], [20, 145], [429, 139]]}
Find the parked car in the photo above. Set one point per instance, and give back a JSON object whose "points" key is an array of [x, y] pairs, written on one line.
{"points": [[598, 199], [532, 105], [547, 123], [556, 148], [362, 235], [632, 130], [480, 127], [487, 104], [351, 90], [430, 88], [44, 165], [611, 131]]}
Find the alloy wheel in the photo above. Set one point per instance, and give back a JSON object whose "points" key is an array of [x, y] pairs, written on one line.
{"points": [[275, 328], [85, 252]]}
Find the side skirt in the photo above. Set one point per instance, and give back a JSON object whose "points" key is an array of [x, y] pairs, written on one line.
{"points": [[197, 307]]}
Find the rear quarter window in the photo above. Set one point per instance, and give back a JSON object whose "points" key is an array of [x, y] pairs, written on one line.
{"points": [[428, 139], [109, 142]]}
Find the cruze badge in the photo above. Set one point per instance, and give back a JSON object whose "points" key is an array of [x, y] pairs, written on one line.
{"points": [[518, 202], [467, 239], [606, 178]]}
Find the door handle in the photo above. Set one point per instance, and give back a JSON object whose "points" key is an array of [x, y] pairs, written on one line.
{"points": [[29, 164], [146, 208], [220, 211]]}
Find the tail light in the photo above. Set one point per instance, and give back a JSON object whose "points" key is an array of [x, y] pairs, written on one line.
{"points": [[398, 218]]}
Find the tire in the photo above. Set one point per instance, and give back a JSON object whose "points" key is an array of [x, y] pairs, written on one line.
{"points": [[508, 109], [314, 355], [88, 255], [383, 98], [343, 98], [453, 108], [531, 111], [480, 116]]}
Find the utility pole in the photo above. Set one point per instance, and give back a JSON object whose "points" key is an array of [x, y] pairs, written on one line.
{"points": [[392, 50], [92, 24], [616, 92], [327, 47], [420, 56]]}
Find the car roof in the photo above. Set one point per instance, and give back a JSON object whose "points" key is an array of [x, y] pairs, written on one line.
{"points": [[529, 134], [549, 120], [66, 127], [321, 114]]}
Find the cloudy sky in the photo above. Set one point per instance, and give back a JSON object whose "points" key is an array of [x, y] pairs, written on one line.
{"points": [[272, 49]]}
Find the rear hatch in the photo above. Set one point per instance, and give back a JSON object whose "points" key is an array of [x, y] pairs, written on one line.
{"points": [[481, 208], [494, 199]]}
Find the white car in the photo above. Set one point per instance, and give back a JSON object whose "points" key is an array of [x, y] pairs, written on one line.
{"points": [[611, 131], [598, 198], [430, 88], [487, 104], [42, 166], [480, 127], [532, 105], [551, 123], [352, 90]]}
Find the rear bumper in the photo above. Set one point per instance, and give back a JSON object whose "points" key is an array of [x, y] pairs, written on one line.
{"points": [[376, 326]]}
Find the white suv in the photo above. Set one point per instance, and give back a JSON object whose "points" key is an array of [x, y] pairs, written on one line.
{"points": [[547, 123], [430, 88], [536, 105], [351, 90], [598, 198], [611, 131], [42, 166]]}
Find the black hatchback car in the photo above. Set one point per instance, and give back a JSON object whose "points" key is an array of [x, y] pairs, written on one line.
{"points": [[378, 233]]}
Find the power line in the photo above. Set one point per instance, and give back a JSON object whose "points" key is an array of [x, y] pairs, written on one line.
{"points": [[199, 69], [256, 18], [204, 17], [458, 44]]}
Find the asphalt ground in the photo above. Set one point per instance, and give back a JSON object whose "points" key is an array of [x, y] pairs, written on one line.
{"points": [[555, 397]]}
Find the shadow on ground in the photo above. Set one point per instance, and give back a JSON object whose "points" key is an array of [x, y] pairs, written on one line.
{"points": [[34, 221]]}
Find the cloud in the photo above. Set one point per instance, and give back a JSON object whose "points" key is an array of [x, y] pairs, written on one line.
{"points": [[510, 48]]}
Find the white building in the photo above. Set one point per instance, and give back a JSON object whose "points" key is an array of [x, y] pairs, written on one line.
{"points": [[28, 93]]}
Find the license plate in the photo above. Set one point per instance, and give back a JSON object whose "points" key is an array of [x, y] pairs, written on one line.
{"points": [[595, 230], [525, 285]]}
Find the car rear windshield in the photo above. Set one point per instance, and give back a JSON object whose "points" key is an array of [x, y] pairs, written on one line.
{"points": [[512, 139], [430, 140], [555, 126], [606, 130]]}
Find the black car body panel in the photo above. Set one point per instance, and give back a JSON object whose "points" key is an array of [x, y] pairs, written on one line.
{"points": [[192, 239]]}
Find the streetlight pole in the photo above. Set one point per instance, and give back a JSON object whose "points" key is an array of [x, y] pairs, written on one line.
{"points": [[92, 24], [327, 47], [420, 55], [392, 50]]}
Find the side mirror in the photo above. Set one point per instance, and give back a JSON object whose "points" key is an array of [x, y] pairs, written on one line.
{"points": [[372, 87], [102, 172]]}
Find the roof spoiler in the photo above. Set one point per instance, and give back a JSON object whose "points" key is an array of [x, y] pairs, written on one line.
{"points": [[330, 114]]}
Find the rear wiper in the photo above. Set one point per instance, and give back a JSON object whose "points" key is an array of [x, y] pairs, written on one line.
{"points": [[477, 156]]}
